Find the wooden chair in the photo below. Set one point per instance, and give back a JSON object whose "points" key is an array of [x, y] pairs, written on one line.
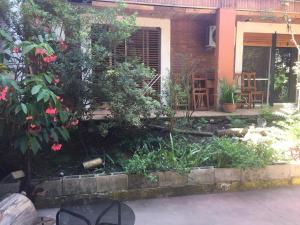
{"points": [[249, 91], [200, 93]]}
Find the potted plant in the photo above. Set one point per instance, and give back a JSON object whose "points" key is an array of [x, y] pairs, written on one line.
{"points": [[228, 96]]}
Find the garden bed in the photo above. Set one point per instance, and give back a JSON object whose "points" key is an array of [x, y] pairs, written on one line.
{"points": [[169, 183], [121, 146], [147, 162]]}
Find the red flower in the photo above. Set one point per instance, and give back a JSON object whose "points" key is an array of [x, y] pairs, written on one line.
{"points": [[40, 51], [59, 98], [33, 126], [53, 58], [34, 129], [74, 122], [3, 94], [29, 118], [15, 50], [56, 81], [51, 111], [63, 46], [56, 147], [50, 59]]}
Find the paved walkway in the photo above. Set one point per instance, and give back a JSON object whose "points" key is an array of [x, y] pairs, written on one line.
{"points": [[262, 207]]}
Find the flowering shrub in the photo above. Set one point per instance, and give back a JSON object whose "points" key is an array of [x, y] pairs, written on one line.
{"points": [[48, 76], [32, 109]]}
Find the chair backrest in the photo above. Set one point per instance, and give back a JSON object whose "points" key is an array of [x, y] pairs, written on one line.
{"points": [[84, 220], [118, 204], [199, 83], [248, 81]]}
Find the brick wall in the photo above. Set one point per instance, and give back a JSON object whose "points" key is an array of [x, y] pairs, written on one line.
{"points": [[188, 41]]}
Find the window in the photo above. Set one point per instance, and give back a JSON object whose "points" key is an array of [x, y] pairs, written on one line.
{"points": [[143, 46]]}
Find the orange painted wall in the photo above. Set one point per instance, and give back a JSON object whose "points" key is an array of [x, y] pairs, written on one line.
{"points": [[226, 20]]}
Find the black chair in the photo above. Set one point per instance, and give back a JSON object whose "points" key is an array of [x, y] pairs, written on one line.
{"points": [[87, 214], [85, 220], [106, 211]]}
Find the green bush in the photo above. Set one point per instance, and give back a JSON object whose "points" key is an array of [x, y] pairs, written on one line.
{"points": [[226, 152], [291, 124], [237, 123], [129, 101], [181, 155], [266, 112]]}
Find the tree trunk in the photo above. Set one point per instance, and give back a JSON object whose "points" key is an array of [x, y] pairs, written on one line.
{"points": [[17, 209], [233, 132]]}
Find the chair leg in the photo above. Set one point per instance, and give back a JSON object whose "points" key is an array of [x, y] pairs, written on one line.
{"points": [[201, 101], [250, 101], [207, 99], [195, 102]]}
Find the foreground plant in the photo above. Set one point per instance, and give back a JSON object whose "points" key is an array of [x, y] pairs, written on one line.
{"points": [[180, 155], [33, 112]]}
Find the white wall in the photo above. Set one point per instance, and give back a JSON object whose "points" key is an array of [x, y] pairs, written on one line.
{"points": [[251, 27]]}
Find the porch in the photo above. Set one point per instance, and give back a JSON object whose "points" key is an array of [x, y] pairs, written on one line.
{"points": [[279, 108], [103, 114]]}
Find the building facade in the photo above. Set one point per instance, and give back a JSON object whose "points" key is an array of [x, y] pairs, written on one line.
{"points": [[223, 37]]}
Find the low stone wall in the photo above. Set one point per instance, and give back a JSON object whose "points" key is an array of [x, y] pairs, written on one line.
{"points": [[129, 187]]}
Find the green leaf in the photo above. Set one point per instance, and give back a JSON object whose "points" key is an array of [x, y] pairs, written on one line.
{"points": [[24, 108], [64, 133], [35, 145], [63, 116], [22, 144], [53, 96], [48, 78], [40, 96], [54, 135], [46, 96], [35, 89], [6, 35], [28, 48], [46, 46], [45, 136], [17, 109], [15, 85]]}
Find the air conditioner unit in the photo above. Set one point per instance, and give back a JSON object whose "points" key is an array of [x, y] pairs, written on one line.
{"points": [[211, 37]]}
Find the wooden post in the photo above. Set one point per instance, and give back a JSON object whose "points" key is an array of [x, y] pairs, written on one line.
{"points": [[272, 70]]}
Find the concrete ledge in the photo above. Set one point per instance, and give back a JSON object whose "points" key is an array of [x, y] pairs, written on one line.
{"points": [[169, 179], [52, 187], [112, 183], [201, 176], [169, 183], [73, 185], [227, 175], [137, 181]]}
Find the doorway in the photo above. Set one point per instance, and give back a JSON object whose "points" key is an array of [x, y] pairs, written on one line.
{"points": [[258, 59]]}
